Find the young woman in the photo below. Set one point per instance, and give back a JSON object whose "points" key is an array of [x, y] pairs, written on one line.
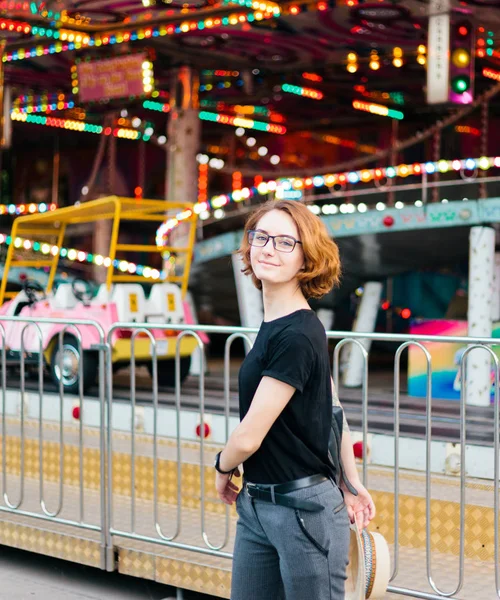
{"points": [[292, 536]]}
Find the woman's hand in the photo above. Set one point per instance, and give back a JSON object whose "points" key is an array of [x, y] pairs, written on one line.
{"points": [[226, 489], [360, 508]]}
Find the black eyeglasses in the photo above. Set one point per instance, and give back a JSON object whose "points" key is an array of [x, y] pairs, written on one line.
{"points": [[282, 243]]}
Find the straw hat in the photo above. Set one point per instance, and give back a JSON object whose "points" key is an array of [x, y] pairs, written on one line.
{"points": [[369, 567]]}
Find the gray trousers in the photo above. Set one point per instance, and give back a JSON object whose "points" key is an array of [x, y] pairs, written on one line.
{"points": [[282, 552]]}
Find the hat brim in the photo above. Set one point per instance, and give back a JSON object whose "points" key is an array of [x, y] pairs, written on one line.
{"points": [[377, 560], [369, 567], [355, 583]]}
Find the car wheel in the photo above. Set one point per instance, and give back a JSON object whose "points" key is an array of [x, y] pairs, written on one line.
{"points": [[71, 357], [166, 370]]}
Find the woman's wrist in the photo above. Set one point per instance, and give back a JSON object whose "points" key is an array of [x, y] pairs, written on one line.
{"points": [[220, 467], [354, 481]]}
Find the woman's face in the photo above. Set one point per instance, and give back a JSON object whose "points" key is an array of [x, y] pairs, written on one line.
{"points": [[270, 265]]}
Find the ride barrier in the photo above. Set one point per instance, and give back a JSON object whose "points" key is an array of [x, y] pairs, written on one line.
{"points": [[38, 509], [141, 495]]}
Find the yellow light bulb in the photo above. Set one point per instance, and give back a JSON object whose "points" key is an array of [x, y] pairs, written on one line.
{"points": [[460, 58], [397, 62], [351, 57], [374, 65], [352, 68], [422, 49]]}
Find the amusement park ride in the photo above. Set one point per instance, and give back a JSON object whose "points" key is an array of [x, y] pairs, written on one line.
{"points": [[358, 109], [120, 299]]}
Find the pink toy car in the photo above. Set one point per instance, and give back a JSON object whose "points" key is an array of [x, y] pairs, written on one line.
{"points": [[120, 300]]}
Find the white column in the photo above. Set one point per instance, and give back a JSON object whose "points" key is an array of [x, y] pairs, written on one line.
{"points": [[495, 296], [196, 356], [481, 268], [326, 316], [365, 322], [249, 298]]}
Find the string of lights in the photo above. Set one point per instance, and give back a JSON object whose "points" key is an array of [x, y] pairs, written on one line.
{"points": [[221, 85], [312, 77], [72, 255], [377, 109], [157, 106], [80, 126], [443, 166], [26, 209], [244, 110], [336, 141], [46, 107], [240, 109], [18, 6], [379, 96], [234, 121], [302, 91], [219, 73], [67, 40]]}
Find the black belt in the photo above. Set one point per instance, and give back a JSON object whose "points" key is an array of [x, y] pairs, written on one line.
{"points": [[276, 493]]}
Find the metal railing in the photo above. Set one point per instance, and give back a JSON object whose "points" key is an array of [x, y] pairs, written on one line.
{"points": [[405, 341], [110, 530], [63, 326]]}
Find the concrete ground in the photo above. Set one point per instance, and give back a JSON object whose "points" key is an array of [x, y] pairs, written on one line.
{"points": [[28, 576]]}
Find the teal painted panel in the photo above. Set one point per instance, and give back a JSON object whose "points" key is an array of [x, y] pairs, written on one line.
{"points": [[431, 216], [450, 214], [489, 210]]}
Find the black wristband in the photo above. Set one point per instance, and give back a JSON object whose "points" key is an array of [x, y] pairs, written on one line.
{"points": [[217, 465]]}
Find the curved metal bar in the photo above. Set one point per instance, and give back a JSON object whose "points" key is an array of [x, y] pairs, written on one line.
{"points": [[154, 373], [4, 409], [463, 438], [101, 346], [201, 347], [227, 386], [107, 506], [496, 469], [364, 391], [132, 427], [333, 335], [61, 431], [428, 400], [78, 335], [17, 504]]}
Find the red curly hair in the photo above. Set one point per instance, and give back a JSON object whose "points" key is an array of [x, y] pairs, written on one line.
{"points": [[321, 254]]}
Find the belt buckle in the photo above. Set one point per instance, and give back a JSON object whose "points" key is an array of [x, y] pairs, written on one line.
{"points": [[252, 486]]}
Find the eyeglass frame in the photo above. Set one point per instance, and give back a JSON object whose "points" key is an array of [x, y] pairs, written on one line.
{"points": [[273, 237]]}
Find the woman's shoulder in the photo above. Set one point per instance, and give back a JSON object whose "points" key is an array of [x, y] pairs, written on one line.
{"points": [[303, 325]]}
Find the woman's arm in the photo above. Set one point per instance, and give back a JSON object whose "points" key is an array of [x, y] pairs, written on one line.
{"points": [[346, 451], [360, 508], [268, 403]]}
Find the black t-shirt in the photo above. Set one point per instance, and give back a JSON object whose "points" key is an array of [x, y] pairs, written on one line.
{"points": [[292, 349]]}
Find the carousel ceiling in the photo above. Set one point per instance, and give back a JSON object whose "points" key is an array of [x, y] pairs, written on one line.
{"points": [[305, 62]]}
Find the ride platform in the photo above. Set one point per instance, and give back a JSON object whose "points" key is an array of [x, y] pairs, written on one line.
{"points": [[187, 562]]}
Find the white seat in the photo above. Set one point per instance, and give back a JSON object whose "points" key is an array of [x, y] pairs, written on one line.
{"points": [[21, 298], [164, 304], [64, 297], [102, 296], [130, 302]]}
